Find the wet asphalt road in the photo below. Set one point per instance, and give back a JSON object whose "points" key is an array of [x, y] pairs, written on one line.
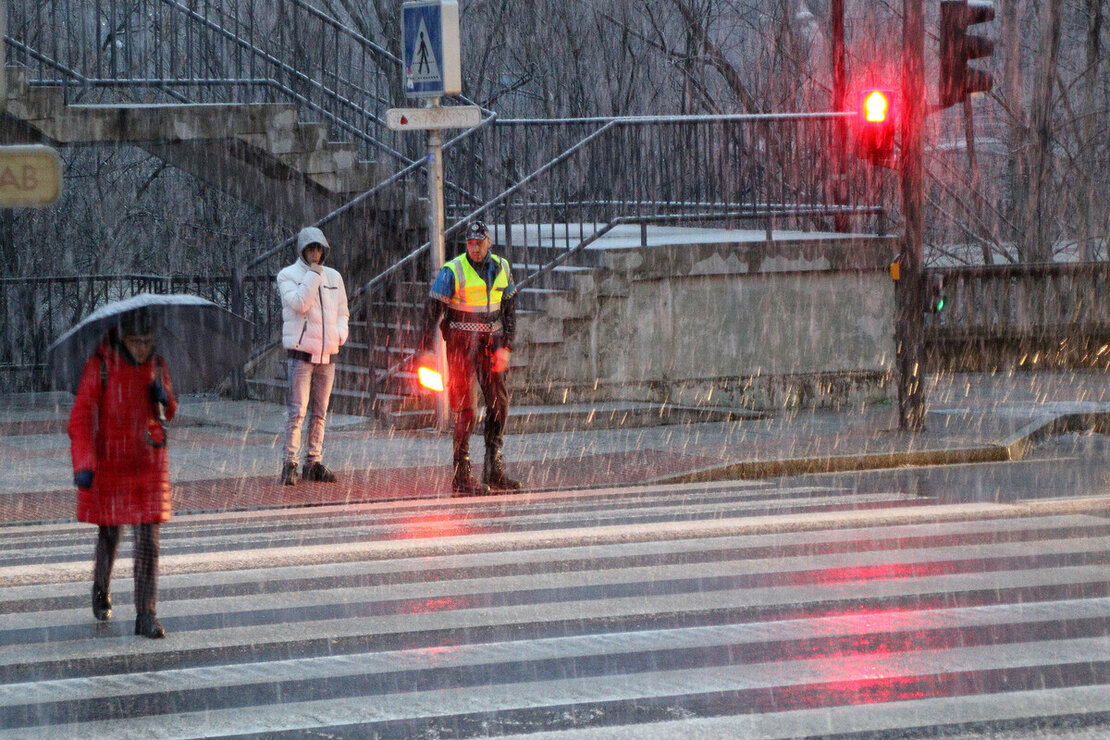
{"points": [[862, 605]]}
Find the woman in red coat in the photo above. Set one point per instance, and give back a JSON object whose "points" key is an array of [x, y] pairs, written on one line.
{"points": [[121, 470]]}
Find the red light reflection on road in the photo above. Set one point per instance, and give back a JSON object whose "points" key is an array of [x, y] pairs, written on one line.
{"points": [[882, 572], [440, 604], [432, 524]]}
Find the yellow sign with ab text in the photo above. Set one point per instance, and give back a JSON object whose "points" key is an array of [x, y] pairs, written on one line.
{"points": [[30, 175]]}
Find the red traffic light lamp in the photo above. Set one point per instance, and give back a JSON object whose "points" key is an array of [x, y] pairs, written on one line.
{"points": [[875, 125], [957, 48]]}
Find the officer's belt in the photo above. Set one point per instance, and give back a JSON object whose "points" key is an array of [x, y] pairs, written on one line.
{"points": [[475, 326]]}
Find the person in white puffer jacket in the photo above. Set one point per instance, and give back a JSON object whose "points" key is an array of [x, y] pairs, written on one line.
{"points": [[314, 316]]}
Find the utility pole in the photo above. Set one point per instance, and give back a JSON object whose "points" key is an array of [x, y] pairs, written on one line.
{"points": [[910, 328], [836, 13]]}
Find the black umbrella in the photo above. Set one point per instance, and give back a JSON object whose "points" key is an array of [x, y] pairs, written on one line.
{"points": [[200, 341]]}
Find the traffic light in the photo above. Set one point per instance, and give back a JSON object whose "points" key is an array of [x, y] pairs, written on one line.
{"points": [[875, 125], [936, 296], [957, 48]]}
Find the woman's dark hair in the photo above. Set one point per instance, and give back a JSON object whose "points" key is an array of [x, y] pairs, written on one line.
{"points": [[139, 321]]}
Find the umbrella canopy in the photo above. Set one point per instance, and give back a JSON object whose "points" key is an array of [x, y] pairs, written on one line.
{"points": [[200, 341]]}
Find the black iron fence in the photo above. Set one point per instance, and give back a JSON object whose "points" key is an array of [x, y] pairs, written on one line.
{"points": [[554, 187], [582, 177], [36, 311]]}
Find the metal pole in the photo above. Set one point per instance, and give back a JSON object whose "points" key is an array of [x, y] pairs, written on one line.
{"points": [[435, 236], [910, 331], [840, 128], [238, 302]]}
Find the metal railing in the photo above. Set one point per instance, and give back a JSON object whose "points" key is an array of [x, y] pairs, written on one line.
{"points": [[36, 311], [204, 51], [554, 187], [551, 186]]}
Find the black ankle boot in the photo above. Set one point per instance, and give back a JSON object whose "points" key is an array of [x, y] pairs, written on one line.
{"points": [[463, 484], [147, 625], [289, 474], [494, 473], [101, 603], [318, 473]]}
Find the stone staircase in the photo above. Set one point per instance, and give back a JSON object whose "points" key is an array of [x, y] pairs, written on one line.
{"points": [[260, 153], [545, 316]]}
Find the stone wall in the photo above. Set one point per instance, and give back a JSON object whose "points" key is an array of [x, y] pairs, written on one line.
{"points": [[800, 322]]}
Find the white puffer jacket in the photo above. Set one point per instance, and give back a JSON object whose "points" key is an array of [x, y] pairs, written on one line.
{"points": [[313, 304]]}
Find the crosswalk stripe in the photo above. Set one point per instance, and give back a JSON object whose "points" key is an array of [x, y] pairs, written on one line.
{"points": [[732, 607]]}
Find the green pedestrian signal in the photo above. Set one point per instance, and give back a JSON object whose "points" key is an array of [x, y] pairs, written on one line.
{"points": [[936, 297]]}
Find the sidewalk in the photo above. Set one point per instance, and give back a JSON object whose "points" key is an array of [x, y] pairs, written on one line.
{"points": [[225, 454]]}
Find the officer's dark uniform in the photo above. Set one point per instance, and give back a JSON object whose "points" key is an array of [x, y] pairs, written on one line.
{"points": [[473, 304]]}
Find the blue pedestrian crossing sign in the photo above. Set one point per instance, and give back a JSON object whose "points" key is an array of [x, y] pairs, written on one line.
{"points": [[430, 48]]}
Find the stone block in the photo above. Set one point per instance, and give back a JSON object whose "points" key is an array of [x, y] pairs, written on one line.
{"points": [[569, 306], [538, 328]]}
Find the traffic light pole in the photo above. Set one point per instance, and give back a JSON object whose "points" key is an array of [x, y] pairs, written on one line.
{"points": [[909, 298], [841, 223]]}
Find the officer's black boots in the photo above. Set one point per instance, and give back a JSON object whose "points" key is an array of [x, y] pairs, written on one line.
{"points": [[463, 484], [494, 473]]}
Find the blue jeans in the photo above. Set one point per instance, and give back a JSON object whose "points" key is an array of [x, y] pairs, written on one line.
{"points": [[308, 383]]}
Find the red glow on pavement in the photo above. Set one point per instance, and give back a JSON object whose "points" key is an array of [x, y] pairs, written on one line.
{"points": [[883, 572], [435, 524], [433, 606]]}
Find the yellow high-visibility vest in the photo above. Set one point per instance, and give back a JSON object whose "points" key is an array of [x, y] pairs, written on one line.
{"points": [[471, 292]]}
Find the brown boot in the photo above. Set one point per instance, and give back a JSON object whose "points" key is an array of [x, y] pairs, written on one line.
{"points": [[463, 483]]}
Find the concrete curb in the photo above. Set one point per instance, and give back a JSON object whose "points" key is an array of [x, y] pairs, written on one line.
{"points": [[1013, 448], [840, 464]]}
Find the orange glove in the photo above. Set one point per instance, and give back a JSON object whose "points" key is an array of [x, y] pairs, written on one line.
{"points": [[500, 360]]}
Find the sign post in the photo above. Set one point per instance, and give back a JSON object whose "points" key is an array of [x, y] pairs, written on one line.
{"points": [[426, 119], [432, 69], [3, 69]]}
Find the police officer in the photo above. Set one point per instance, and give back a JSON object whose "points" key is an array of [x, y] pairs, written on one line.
{"points": [[472, 300]]}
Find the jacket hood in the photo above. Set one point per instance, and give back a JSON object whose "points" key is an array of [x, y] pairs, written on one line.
{"points": [[312, 235]]}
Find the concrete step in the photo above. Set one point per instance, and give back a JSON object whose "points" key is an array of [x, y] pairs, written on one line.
{"points": [[610, 415], [329, 159], [34, 104], [301, 138], [85, 123], [358, 178]]}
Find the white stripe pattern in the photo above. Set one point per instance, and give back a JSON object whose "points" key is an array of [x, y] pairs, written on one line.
{"points": [[571, 615]]}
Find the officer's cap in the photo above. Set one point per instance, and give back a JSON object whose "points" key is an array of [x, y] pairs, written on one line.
{"points": [[476, 230]]}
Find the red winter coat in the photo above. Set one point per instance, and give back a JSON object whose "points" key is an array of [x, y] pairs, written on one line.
{"points": [[114, 431]]}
